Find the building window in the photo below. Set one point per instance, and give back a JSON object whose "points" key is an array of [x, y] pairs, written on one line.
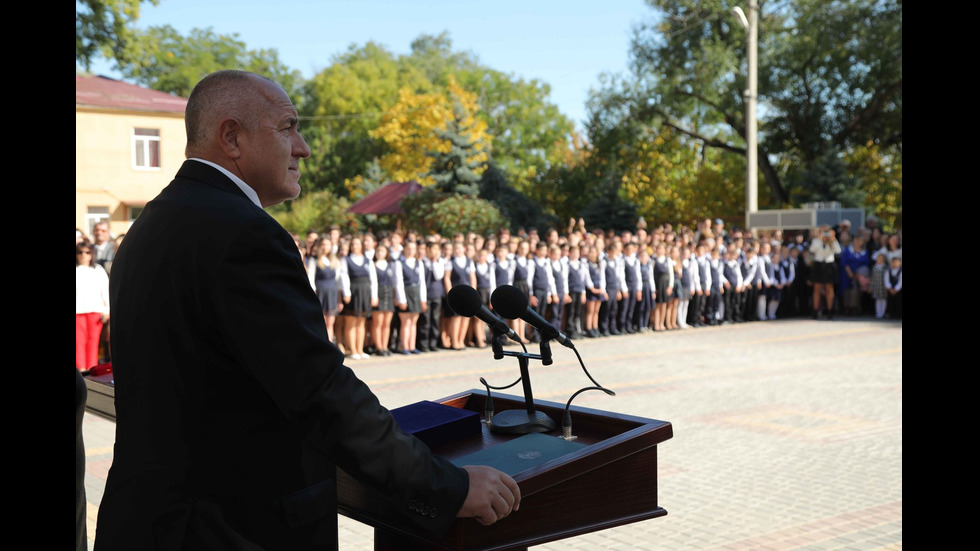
{"points": [[134, 212], [146, 148], [94, 216]]}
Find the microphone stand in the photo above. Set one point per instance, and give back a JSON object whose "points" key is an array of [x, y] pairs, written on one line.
{"points": [[528, 420]]}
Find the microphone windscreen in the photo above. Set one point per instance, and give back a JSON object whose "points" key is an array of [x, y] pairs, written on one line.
{"points": [[464, 300], [508, 301]]}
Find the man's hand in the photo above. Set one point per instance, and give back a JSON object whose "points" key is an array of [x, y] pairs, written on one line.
{"points": [[492, 496]]}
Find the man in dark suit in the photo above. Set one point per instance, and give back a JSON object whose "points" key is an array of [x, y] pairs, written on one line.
{"points": [[233, 409]]}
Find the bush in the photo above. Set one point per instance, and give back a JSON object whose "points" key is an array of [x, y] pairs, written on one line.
{"points": [[431, 211], [315, 210]]}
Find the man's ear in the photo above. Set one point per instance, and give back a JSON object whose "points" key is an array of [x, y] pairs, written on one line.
{"points": [[228, 134]]}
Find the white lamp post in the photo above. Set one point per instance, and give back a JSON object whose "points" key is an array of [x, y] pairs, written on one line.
{"points": [[751, 24]]}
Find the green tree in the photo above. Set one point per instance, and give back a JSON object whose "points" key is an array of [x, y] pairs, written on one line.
{"points": [[346, 101], [344, 104], [530, 134], [830, 82], [517, 209], [162, 59], [457, 168], [434, 211], [316, 210], [102, 26]]}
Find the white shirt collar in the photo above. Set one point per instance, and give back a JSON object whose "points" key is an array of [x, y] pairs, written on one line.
{"points": [[238, 181]]}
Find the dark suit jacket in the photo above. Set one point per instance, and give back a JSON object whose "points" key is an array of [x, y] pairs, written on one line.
{"points": [[233, 409]]}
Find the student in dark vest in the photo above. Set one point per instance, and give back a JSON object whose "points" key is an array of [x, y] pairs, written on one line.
{"points": [[412, 297], [462, 271], [893, 282], [615, 287], [430, 321], [543, 290], [578, 280], [734, 287], [629, 316], [663, 279], [714, 303], [595, 292], [486, 282], [644, 314], [699, 302], [752, 278], [523, 274], [559, 271]]}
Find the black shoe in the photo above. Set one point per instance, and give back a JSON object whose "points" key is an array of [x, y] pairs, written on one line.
{"points": [[816, 315], [830, 315]]}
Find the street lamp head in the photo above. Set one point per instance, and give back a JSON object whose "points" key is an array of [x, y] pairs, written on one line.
{"points": [[741, 17]]}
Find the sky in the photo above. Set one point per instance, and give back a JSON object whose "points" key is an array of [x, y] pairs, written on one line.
{"points": [[564, 43]]}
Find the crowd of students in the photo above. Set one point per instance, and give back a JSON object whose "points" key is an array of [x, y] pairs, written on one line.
{"points": [[387, 294]]}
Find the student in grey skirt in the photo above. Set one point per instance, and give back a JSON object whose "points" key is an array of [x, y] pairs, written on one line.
{"points": [[387, 272], [410, 296]]}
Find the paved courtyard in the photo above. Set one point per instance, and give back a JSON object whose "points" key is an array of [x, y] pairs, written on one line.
{"points": [[787, 433]]}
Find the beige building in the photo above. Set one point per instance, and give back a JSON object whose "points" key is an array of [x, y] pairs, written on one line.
{"points": [[129, 144]]}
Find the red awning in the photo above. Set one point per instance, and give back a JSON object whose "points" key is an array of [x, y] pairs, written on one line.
{"points": [[386, 199]]}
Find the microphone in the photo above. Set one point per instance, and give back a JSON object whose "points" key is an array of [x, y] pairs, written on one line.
{"points": [[511, 303], [465, 301]]}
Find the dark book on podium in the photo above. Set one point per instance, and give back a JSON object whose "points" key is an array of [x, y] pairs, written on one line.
{"points": [[437, 424]]}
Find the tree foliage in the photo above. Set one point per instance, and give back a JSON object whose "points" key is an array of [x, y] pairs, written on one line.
{"points": [[457, 167], [315, 210], [517, 209], [103, 26], [162, 59], [433, 211], [344, 103], [830, 83], [665, 141], [434, 139]]}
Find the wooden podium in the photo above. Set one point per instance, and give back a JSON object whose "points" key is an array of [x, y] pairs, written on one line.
{"points": [[609, 482]]}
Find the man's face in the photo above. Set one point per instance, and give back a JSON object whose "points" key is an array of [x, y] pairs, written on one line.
{"points": [[271, 146], [101, 233]]}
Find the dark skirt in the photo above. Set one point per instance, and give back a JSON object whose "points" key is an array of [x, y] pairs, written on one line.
{"points": [[386, 299], [522, 285], [447, 310], [662, 281], [680, 291], [360, 298], [484, 295], [413, 299], [823, 272], [329, 296]]}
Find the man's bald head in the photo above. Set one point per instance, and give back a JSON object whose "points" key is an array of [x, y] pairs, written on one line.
{"points": [[218, 96]]}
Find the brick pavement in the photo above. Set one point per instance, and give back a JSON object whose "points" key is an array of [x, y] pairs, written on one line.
{"points": [[787, 433]]}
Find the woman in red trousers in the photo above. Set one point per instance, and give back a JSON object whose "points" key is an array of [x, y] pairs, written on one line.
{"points": [[91, 306]]}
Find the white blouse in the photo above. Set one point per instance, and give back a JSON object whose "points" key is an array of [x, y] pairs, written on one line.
{"points": [[91, 290]]}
